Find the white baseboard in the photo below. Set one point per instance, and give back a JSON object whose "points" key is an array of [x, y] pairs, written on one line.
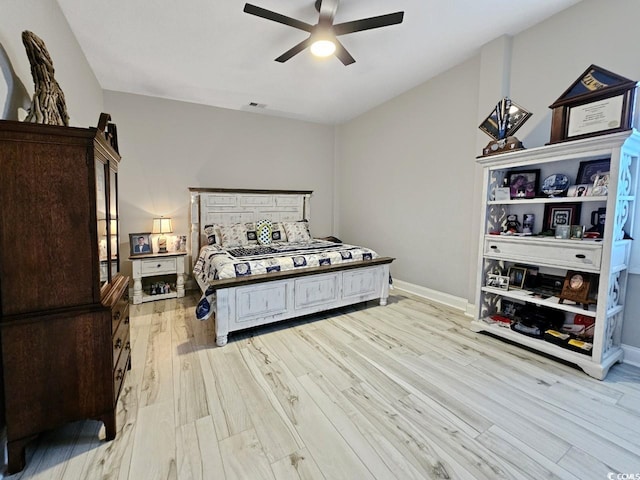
{"points": [[434, 295], [631, 355]]}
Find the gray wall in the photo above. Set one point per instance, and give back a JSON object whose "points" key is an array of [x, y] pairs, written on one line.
{"points": [[169, 146], [405, 180]]}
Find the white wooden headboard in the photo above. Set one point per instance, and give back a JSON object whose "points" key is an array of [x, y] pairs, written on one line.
{"points": [[226, 206]]}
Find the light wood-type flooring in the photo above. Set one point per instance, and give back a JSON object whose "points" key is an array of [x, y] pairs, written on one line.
{"points": [[405, 391]]}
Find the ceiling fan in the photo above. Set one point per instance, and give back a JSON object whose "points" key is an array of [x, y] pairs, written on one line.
{"points": [[323, 35]]}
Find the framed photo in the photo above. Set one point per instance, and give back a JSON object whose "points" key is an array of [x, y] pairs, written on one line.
{"points": [[577, 232], [601, 185], [498, 281], [523, 183], [565, 214], [180, 243], [580, 190], [588, 170], [140, 244], [517, 276]]}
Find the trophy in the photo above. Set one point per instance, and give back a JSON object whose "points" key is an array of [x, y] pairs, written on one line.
{"points": [[501, 124]]}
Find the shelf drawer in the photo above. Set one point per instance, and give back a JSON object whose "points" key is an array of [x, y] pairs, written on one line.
{"points": [[572, 254], [158, 266]]}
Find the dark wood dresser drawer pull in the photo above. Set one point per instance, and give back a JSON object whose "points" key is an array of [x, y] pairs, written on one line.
{"points": [[116, 316], [159, 265], [494, 247], [580, 255], [118, 343], [120, 374]]}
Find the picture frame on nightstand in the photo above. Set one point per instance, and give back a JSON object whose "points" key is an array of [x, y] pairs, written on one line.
{"points": [[140, 244]]}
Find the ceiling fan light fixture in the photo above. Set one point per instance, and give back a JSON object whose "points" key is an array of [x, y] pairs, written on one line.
{"points": [[323, 47]]}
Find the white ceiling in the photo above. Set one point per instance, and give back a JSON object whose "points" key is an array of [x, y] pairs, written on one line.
{"points": [[211, 52]]}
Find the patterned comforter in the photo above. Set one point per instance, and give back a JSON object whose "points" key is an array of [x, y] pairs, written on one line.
{"points": [[216, 262]]}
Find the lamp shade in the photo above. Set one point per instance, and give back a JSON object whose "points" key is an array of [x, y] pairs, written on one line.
{"points": [[162, 225]]}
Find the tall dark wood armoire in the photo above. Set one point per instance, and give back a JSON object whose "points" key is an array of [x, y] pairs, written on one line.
{"points": [[64, 321]]}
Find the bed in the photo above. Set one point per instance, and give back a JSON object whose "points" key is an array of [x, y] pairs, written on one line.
{"points": [[252, 273]]}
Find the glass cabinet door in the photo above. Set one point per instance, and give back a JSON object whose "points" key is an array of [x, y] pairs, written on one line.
{"points": [[101, 216], [114, 244]]}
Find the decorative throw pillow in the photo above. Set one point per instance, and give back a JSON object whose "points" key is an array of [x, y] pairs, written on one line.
{"points": [[234, 235], [252, 235], [297, 231], [212, 234], [277, 233], [264, 230]]}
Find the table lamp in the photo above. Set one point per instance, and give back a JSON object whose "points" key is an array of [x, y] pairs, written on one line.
{"points": [[162, 225]]}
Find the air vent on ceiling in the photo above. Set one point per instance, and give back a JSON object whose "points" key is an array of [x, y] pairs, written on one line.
{"points": [[257, 105]]}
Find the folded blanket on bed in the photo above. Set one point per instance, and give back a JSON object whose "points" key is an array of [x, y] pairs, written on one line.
{"points": [[216, 262]]}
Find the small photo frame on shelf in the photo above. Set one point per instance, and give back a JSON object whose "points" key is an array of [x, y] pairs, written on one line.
{"points": [[588, 170], [523, 183], [140, 244], [517, 276], [180, 243], [600, 185], [561, 214], [501, 194], [498, 281], [577, 232], [580, 190]]}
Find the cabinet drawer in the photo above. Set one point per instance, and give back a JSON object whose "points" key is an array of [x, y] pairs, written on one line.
{"points": [[120, 370], [121, 341], [158, 266], [573, 254], [120, 312]]}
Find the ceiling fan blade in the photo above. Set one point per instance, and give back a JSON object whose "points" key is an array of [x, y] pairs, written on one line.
{"points": [[294, 50], [342, 54], [328, 9], [276, 17], [368, 23]]}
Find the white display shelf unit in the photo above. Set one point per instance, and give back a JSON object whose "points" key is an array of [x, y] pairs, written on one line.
{"points": [[607, 259]]}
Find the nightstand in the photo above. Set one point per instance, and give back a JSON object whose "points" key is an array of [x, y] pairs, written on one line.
{"points": [[160, 265]]}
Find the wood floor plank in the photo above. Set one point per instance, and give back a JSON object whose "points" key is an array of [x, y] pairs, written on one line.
{"points": [[243, 457], [329, 449], [327, 398], [197, 452], [521, 456], [189, 392], [153, 456], [214, 405], [157, 381], [231, 401], [297, 466], [273, 428], [583, 465]]}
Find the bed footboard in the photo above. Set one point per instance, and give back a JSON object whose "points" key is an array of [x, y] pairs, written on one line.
{"points": [[248, 305]]}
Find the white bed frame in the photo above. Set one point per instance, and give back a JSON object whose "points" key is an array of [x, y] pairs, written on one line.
{"points": [[261, 299]]}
